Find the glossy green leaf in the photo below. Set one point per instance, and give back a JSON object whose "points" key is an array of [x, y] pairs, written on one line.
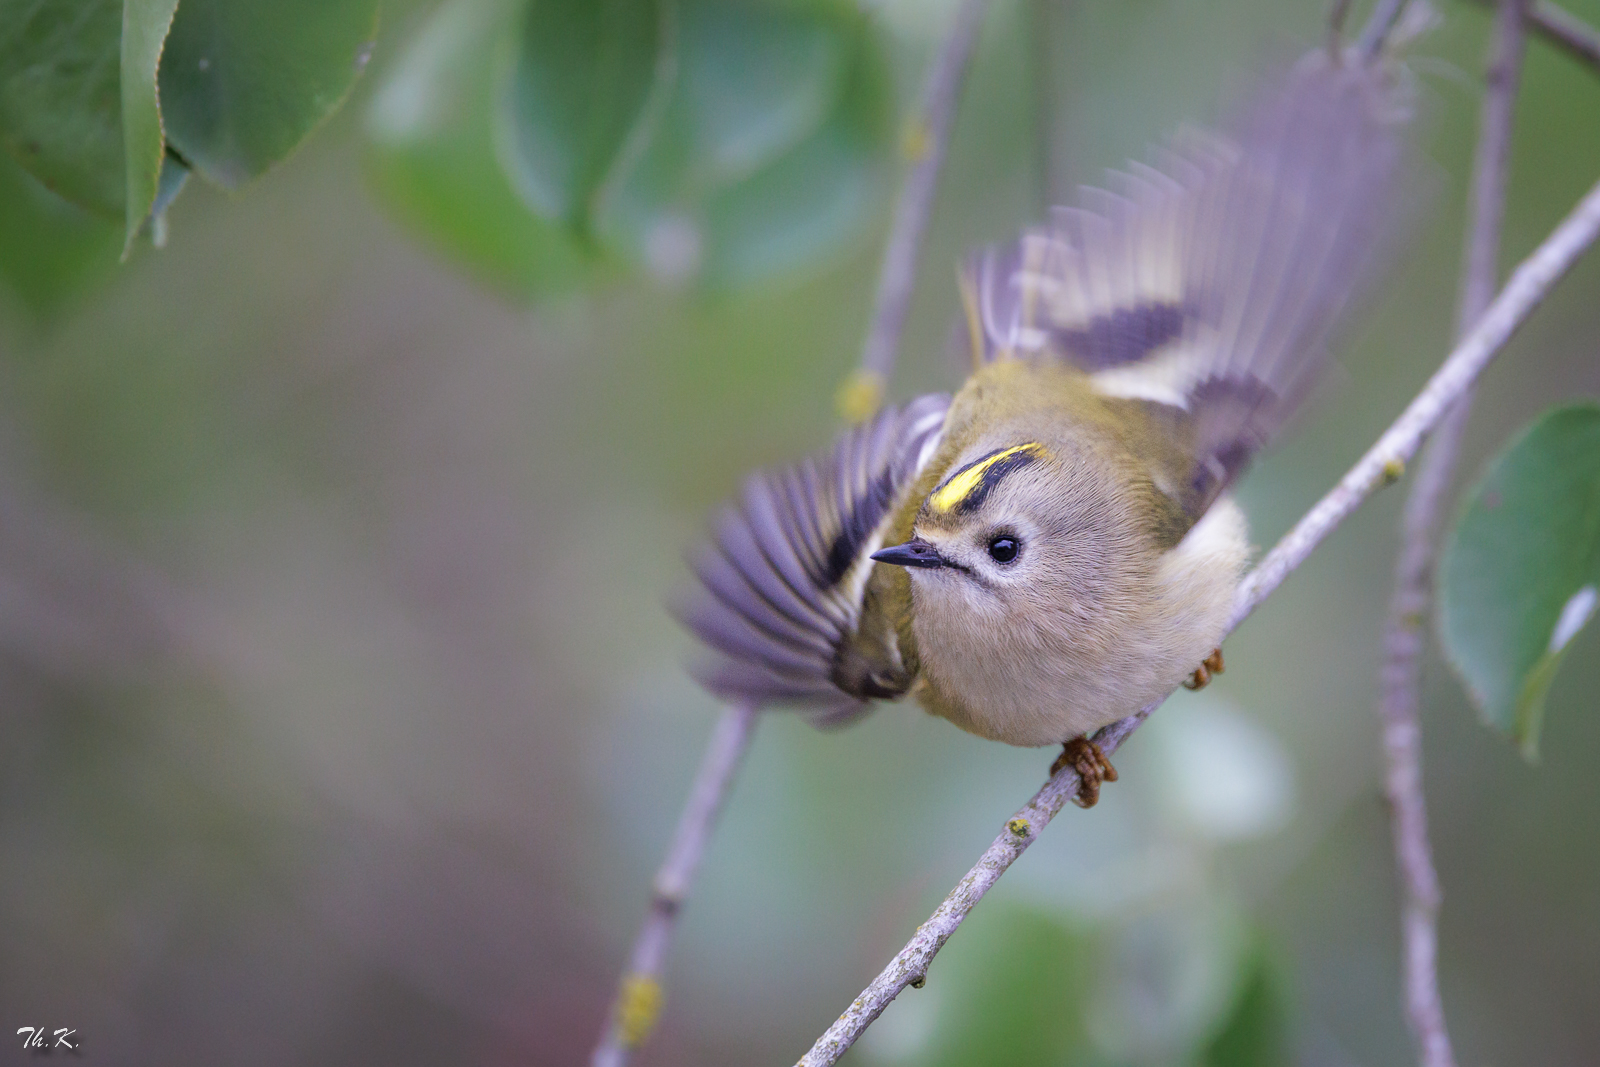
{"points": [[144, 30], [433, 162], [49, 249], [1520, 572], [1255, 1032], [578, 85], [60, 97], [244, 81]]}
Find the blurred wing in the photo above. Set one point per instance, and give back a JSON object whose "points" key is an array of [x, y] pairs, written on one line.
{"points": [[1209, 283], [782, 577]]}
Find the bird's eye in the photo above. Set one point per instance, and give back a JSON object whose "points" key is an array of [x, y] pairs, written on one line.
{"points": [[1003, 549]]}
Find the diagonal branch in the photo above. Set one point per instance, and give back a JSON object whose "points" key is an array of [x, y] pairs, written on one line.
{"points": [[1566, 31], [638, 1000], [1405, 630], [910, 965], [924, 144], [1383, 463]]}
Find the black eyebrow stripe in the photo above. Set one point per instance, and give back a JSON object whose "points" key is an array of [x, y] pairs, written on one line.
{"points": [[1021, 457]]}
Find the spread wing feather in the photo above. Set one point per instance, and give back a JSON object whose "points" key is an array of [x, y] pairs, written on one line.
{"points": [[782, 576], [1209, 282]]}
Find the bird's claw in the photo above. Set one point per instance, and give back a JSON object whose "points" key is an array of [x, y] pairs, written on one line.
{"points": [[1085, 757], [1202, 674]]}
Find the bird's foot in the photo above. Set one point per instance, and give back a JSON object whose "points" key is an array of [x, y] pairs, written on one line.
{"points": [[1085, 757], [1202, 674]]}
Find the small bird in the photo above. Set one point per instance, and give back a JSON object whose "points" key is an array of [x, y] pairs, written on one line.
{"points": [[1055, 547]]}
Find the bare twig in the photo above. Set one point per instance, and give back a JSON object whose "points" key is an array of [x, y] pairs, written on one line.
{"points": [[1405, 631], [638, 1002], [1383, 463], [1337, 15], [1565, 30], [910, 965], [1384, 15], [1480, 269], [924, 144]]}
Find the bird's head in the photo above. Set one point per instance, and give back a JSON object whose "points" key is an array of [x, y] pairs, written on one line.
{"points": [[986, 527]]}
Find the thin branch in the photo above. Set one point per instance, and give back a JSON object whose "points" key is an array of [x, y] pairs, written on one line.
{"points": [[1405, 630], [910, 966], [638, 1001], [639, 996], [1337, 15], [924, 143], [1379, 23], [1480, 269], [1382, 464], [1566, 31]]}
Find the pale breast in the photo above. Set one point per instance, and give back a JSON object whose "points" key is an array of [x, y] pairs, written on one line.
{"points": [[1078, 667]]}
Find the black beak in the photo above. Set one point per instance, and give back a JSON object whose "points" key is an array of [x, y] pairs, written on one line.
{"points": [[914, 553]]}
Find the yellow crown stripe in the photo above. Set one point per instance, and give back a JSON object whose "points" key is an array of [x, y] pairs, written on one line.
{"points": [[966, 481]]}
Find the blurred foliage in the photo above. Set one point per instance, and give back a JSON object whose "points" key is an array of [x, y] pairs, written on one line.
{"points": [[762, 153], [49, 248], [1168, 977], [709, 141], [1519, 575], [579, 83], [60, 97], [244, 81], [94, 95], [706, 141], [1020, 983], [433, 161], [1255, 1032]]}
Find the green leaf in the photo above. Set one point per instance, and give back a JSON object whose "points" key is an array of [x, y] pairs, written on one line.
{"points": [[757, 80], [807, 201], [244, 81], [765, 157], [1519, 574], [433, 162], [60, 97], [578, 84], [49, 248], [1255, 1032], [144, 29]]}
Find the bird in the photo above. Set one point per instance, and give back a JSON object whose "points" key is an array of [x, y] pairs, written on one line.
{"points": [[1056, 545]]}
